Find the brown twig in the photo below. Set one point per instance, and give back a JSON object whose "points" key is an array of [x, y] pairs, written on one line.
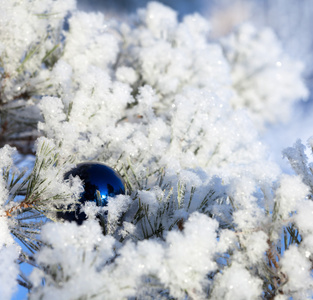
{"points": [[23, 204], [271, 258]]}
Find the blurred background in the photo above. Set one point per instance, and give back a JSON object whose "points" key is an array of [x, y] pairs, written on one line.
{"points": [[291, 20]]}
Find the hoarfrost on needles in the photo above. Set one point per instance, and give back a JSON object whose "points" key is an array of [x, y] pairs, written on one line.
{"points": [[180, 263], [230, 283], [6, 161], [298, 269], [289, 194], [267, 83], [171, 110], [9, 251], [9, 271]]}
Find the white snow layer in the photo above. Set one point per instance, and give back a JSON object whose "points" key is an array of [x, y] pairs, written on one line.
{"points": [[155, 95]]}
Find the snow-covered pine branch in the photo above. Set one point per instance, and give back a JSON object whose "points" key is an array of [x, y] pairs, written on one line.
{"points": [[206, 211]]}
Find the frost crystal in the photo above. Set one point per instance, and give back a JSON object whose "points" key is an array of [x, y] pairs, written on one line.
{"points": [[9, 271], [206, 212], [267, 82]]}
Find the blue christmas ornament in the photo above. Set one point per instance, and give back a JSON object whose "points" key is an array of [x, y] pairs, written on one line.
{"points": [[99, 181]]}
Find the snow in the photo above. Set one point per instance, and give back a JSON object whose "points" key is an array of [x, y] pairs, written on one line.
{"points": [[289, 194], [297, 269], [9, 271], [180, 117], [237, 283], [174, 263], [267, 82]]}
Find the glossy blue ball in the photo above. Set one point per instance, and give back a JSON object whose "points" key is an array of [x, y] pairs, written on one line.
{"points": [[99, 181]]}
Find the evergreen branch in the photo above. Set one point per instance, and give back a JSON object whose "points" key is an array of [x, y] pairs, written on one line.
{"points": [[49, 53], [29, 55]]}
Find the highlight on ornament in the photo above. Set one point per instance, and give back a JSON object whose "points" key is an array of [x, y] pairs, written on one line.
{"points": [[100, 183]]}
